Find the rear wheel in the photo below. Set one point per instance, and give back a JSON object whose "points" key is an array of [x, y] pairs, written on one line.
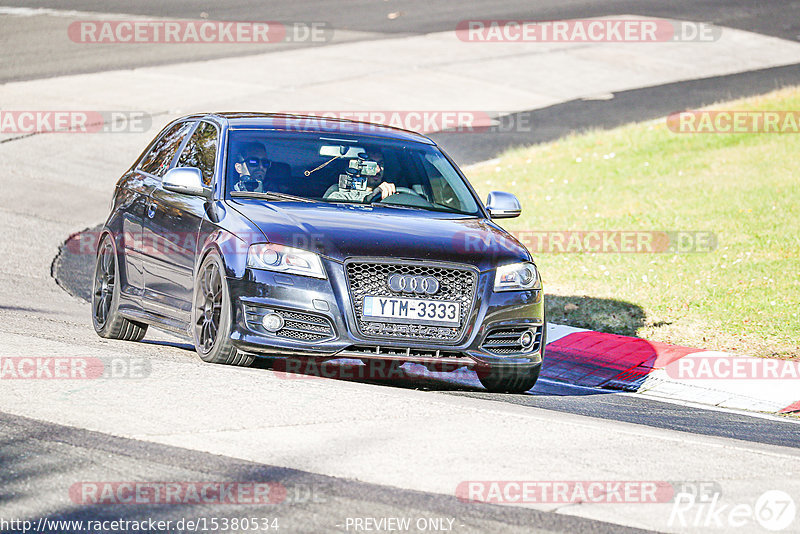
{"points": [[508, 379], [106, 318], [212, 316]]}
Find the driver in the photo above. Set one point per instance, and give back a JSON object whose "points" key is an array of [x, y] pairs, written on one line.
{"points": [[374, 183], [251, 166]]}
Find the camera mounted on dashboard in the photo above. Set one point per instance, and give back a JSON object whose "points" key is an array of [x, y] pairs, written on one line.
{"points": [[357, 174]]}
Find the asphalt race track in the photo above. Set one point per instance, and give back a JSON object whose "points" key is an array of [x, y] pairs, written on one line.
{"points": [[344, 448], [67, 454], [43, 57]]}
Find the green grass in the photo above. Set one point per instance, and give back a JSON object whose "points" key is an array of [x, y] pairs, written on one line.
{"points": [[744, 296]]}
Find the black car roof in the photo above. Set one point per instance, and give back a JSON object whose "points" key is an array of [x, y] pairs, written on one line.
{"points": [[315, 124]]}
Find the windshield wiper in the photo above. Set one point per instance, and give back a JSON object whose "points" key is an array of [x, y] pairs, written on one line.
{"points": [[435, 206], [270, 195], [421, 208], [448, 209]]}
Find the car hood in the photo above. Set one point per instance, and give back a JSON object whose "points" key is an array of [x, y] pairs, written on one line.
{"points": [[340, 231]]}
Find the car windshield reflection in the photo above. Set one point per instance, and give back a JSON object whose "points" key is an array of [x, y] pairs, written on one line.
{"points": [[275, 166]]}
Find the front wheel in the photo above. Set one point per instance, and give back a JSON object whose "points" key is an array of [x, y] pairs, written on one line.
{"points": [[106, 318], [508, 379], [212, 316]]}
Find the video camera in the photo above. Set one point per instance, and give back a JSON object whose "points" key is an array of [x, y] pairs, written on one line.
{"points": [[358, 173]]}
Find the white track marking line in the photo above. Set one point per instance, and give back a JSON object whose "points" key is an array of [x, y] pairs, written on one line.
{"points": [[667, 400], [68, 13]]}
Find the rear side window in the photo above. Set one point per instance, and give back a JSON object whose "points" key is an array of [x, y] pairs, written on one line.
{"points": [[158, 160], [201, 151]]}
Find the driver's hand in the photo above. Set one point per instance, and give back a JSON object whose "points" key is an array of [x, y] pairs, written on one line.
{"points": [[387, 189]]}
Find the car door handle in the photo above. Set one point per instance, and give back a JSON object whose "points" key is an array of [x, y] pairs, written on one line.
{"points": [[151, 210]]}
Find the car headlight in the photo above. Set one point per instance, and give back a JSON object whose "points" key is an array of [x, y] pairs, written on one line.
{"points": [[272, 257], [517, 277]]}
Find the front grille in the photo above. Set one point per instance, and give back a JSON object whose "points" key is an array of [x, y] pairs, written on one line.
{"points": [[300, 326], [507, 340], [371, 278], [401, 353]]}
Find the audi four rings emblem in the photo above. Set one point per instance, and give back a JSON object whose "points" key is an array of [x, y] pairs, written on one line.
{"points": [[406, 283]]}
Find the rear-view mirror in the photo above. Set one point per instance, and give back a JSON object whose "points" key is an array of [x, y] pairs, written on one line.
{"points": [[340, 151]]}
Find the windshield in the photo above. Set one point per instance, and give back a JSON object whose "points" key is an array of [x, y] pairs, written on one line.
{"points": [[281, 166]]}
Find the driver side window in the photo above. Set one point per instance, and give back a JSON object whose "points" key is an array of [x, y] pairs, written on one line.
{"points": [[201, 151]]}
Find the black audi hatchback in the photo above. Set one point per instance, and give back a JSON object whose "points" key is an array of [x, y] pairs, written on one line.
{"points": [[280, 235]]}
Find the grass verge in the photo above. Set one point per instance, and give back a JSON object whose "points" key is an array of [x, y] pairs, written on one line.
{"points": [[742, 296]]}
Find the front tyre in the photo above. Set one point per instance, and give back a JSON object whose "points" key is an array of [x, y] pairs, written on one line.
{"points": [[508, 379], [106, 318], [212, 315]]}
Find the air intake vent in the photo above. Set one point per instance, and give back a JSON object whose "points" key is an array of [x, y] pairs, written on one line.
{"points": [[509, 340], [300, 326]]}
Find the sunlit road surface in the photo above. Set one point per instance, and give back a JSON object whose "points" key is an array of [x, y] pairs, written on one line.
{"points": [[372, 448]]}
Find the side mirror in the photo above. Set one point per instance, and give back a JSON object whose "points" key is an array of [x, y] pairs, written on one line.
{"points": [[187, 181], [503, 205]]}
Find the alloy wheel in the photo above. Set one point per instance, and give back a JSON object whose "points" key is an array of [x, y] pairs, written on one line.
{"points": [[105, 278], [208, 304]]}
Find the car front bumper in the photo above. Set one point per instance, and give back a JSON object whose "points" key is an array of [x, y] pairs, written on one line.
{"points": [[314, 302]]}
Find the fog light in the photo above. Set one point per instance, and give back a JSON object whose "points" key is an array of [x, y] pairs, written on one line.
{"points": [[272, 322], [526, 340]]}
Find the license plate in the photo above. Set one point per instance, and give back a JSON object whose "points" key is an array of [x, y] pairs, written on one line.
{"points": [[404, 310]]}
